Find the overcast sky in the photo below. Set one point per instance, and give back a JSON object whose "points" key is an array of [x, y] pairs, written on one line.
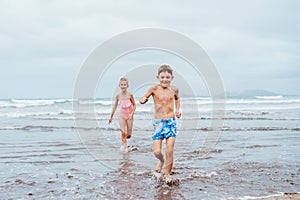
{"points": [[254, 44]]}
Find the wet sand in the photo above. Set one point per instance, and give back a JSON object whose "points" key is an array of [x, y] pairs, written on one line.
{"points": [[284, 196], [45, 165]]}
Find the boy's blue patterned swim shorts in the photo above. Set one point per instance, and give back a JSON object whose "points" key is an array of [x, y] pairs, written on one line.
{"points": [[164, 128]]}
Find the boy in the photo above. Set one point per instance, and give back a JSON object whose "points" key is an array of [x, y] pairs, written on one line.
{"points": [[164, 96]]}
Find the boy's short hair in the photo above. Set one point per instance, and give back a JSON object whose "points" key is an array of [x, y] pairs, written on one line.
{"points": [[165, 68]]}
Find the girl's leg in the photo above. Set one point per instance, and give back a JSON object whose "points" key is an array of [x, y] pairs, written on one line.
{"points": [[169, 155], [129, 128], [123, 129], [157, 152]]}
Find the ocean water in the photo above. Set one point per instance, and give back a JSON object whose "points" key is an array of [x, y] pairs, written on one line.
{"points": [[49, 149]]}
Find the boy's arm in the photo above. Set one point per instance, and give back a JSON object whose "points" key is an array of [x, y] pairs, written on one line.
{"points": [[114, 109], [177, 103], [144, 99]]}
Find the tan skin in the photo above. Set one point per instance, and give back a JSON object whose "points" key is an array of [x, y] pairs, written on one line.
{"points": [[125, 125], [164, 97]]}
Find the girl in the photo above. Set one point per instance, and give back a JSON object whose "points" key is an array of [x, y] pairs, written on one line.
{"points": [[127, 109]]}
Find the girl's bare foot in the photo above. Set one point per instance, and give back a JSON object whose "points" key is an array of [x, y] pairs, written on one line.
{"points": [[124, 148]]}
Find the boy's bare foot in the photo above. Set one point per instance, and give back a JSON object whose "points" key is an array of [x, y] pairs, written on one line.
{"points": [[172, 181], [168, 180], [159, 166]]}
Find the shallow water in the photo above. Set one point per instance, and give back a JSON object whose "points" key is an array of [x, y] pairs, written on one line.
{"points": [[43, 155], [47, 165]]}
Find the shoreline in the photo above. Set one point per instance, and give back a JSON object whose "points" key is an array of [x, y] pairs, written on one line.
{"points": [[282, 196], [47, 165]]}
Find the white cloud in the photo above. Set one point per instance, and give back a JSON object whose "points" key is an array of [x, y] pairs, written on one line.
{"points": [[246, 40]]}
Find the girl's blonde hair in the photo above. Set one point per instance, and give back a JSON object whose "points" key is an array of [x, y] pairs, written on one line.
{"points": [[123, 79]]}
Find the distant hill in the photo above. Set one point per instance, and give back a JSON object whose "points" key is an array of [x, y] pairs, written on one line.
{"points": [[245, 94], [251, 93]]}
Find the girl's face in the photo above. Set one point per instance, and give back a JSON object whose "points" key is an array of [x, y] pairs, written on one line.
{"points": [[165, 78], [123, 85]]}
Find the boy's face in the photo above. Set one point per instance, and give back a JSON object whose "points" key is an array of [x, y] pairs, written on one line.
{"points": [[165, 78]]}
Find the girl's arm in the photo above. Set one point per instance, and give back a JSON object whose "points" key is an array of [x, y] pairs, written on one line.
{"points": [[133, 102], [114, 109], [133, 105]]}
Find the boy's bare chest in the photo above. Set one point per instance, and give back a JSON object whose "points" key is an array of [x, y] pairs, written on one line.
{"points": [[164, 95]]}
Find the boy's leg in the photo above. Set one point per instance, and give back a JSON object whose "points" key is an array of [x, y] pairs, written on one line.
{"points": [[169, 155], [157, 144]]}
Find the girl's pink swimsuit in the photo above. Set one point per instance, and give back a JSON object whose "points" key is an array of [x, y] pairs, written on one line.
{"points": [[126, 109]]}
